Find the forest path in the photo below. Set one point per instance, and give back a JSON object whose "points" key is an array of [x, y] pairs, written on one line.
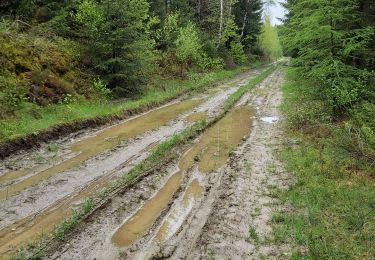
{"points": [[39, 188], [206, 205]]}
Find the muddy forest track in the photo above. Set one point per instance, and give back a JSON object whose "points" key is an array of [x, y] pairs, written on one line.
{"points": [[39, 188], [202, 205]]}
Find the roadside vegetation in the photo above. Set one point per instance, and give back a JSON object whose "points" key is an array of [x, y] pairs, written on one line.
{"points": [[62, 61], [329, 145]]}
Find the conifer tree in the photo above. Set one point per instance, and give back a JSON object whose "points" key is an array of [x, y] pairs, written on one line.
{"points": [[331, 44]]}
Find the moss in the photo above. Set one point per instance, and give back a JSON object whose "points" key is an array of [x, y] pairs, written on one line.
{"points": [[35, 68]]}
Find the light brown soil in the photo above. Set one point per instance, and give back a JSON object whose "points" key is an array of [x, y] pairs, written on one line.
{"points": [[211, 209], [59, 176]]}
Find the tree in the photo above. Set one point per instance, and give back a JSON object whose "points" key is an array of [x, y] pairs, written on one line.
{"points": [[248, 17], [119, 43], [269, 40], [331, 42], [188, 47]]}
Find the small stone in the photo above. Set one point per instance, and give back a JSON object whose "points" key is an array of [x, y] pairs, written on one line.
{"points": [[197, 158]]}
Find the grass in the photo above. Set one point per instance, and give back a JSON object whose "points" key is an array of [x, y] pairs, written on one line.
{"points": [[232, 99], [334, 193], [161, 154], [253, 234], [25, 122]]}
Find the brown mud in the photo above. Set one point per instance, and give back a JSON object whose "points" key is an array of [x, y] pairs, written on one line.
{"points": [[105, 140], [212, 151], [217, 201], [38, 208]]}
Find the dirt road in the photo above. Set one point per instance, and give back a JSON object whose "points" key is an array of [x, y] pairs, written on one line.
{"points": [[214, 202], [39, 188]]}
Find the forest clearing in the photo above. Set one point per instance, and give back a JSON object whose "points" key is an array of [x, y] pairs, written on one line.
{"points": [[190, 129]]}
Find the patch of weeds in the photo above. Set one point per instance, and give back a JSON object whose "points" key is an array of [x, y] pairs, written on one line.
{"points": [[262, 257], [69, 223], [280, 234], [272, 168], [253, 235], [211, 254], [39, 158], [278, 218], [256, 212], [275, 193], [53, 148]]}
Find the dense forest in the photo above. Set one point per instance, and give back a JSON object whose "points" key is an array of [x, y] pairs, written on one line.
{"points": [[332, 46], [330, 106], [60, 51]]}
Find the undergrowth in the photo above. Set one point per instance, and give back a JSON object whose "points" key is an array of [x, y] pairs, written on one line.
{"points": [[334, 193]]}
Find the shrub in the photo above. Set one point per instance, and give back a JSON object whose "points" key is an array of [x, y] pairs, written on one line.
{"points": [[237, 51], [102, 88]]}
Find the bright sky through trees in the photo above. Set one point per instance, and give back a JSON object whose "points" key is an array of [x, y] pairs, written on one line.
{"points": [[277, 11]]}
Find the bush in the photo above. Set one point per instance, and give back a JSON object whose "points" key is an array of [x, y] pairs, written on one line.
{"points": [[237, 51], [208, 63], [102, 88], [12, 94], [188, 47]]}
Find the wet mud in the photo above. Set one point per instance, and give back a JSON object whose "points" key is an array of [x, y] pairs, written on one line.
{"points": [[209, 202], [103, 141], [88, 161], [211, 151]]}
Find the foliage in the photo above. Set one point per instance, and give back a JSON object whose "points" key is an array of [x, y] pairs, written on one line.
{"points": [[91, 17], [332, 43], [333, 196], [102, 88], [166, 36], [237, 52], [269, 40], [120, 47], [248, 17], [188, 46]]}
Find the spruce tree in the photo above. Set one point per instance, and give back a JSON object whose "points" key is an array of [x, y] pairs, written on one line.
{"points": [[330, 42]]}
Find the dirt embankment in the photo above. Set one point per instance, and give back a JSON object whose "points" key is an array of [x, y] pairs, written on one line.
{"points": [[214, 202]]}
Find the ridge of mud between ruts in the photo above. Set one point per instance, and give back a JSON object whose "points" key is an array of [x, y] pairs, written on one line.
{"points": [[56, 132], [43, 203], [232, 199]]}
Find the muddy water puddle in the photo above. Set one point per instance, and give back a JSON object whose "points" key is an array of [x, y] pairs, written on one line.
{"points": [[196, 117], [180, 211], [104, 140], [208, 154], [28, 228]]}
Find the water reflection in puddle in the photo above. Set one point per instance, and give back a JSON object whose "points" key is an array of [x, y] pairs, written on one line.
{"points": [[270, 119], [212, 152]]}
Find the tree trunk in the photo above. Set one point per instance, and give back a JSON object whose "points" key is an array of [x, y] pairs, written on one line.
{"points": [[243, 25], [221, 22]]}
